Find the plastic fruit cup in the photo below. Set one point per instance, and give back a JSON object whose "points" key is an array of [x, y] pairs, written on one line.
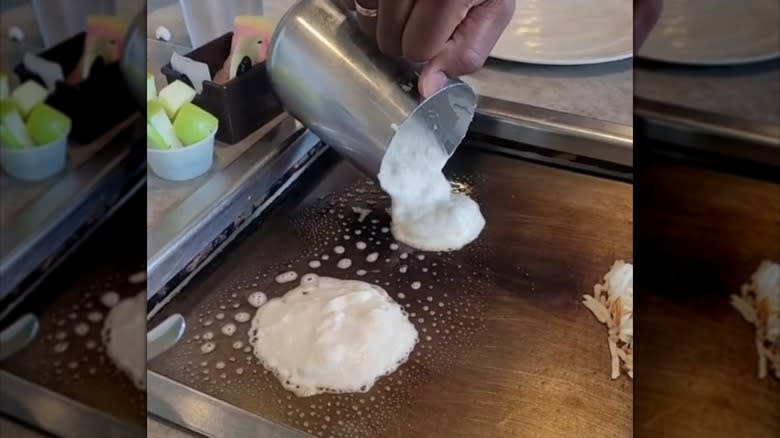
{"points": [[181, 164], [36, 163]]}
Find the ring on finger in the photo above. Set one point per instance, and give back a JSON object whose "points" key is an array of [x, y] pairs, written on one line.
{"points": [[364, 11]]}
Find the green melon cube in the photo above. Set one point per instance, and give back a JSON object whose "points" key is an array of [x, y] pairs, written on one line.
{"points": [[13, 133], [154, 139], [194, 124], [46, 124], [158, 121]]}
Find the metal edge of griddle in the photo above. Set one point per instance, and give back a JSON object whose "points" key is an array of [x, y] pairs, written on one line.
{"points": [[194, 224], [201, 413], [553, 130], [81, 195], [56, 414], [696, 132]]}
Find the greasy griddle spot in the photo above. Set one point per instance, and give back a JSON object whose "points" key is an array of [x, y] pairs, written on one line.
{"points": [[443, 294]]}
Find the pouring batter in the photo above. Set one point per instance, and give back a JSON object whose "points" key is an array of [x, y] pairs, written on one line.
{"points": [[426, 214]]}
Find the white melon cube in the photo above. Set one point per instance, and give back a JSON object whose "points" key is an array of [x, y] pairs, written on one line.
{"points": [[174, 95], [27, 95]]}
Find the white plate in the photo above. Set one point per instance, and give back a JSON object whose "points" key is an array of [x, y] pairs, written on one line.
{"points": [[568, 32], [715, 32]]}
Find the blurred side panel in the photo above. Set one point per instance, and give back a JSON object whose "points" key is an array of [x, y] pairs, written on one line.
{"points": [[72, 221], [707, 226]]}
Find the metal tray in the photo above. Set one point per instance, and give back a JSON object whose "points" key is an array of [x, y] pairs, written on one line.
{"points": [[187, 219], [76, 391], [513, 348]]}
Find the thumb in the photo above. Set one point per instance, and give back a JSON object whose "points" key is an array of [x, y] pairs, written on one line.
{"points": [[468, 48], [431, 80]]}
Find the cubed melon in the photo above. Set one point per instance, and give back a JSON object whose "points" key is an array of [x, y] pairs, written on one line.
{"points": [[27, 95], [13, 132], [158, 121], [174, 95]]}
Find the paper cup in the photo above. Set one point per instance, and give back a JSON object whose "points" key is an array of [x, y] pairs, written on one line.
{"points": [[181, 164], [36, 163]]}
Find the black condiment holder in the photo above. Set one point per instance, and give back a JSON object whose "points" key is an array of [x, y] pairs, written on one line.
{"points": [[242, 104]]}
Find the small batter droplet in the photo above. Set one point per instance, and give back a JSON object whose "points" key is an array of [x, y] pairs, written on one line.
{"points": [[137, 278], [229, 329], [81, 329], [287, 277], [110, 298], [257, 299], [242, 316], [60, 347], [208, 347]]}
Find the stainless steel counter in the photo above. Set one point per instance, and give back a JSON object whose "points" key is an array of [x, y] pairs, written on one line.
{"points": [[748, 92]]}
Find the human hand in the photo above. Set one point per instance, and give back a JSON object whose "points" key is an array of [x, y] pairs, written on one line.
{"points": [[452, 38], [646, 15]]}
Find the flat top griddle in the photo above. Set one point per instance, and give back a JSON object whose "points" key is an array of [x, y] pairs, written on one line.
{"points": [[513, 351], [83, 372]]}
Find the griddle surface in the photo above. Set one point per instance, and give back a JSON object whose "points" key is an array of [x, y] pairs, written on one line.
{"points": [[512, 352]]}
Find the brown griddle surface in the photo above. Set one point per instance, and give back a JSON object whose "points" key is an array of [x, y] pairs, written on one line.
{"points": [[83, 372], [700, 235], [512, 351]]}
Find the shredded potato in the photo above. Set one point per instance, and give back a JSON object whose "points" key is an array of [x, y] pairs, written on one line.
{"points": [[612, 304], [759, 304]]}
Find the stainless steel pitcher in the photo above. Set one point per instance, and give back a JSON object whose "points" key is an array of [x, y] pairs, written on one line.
{"points": [[333, 79]]}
